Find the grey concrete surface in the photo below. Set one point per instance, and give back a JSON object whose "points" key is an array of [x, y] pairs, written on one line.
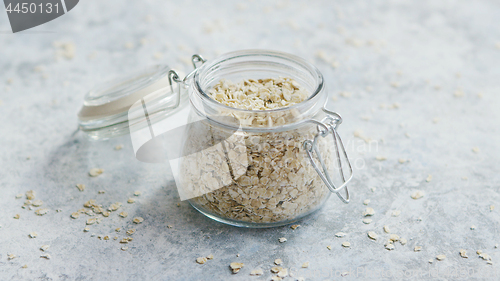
{"points": [[443, 56]]}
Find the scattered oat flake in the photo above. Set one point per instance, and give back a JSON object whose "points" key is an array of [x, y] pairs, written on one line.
{"points": [[394, 237], [137, 193], [472, 227], [276, 269], [101, 192], [80, 187], [124, 248], [431, 261], [118, 229], [33, 235], [340, 234], [94, 172], [366, 202], [479, 252], [75, 215], [86, 229], [492, 207], [30, 195], [131, 200], [417, 194], [381, 158], [346, 244], [44, 247], [91, 221], [463, 254], [276, 278], [283, 273], [16, 216], [201, 260], [118, 147], [389, 246], [367, 221], [440, 257], [24, 266], [386, 229], [329, 247], [396, 213], [124, 241], [42, 211], [429, 178], [19, 196], [256, 272], [210, 257], [236, 266], [130, 231], [138, 220], [124, 215], [305, 265], [282, 240], [294, 226], [369, 212], [11, 256], [403, 241], [475, 149], [401, 160], [372, 235], [45, 256]]}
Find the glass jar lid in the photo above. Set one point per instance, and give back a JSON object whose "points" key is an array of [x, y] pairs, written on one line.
{"points": [[104, 113]]}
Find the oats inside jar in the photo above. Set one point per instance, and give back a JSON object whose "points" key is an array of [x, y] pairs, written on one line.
{"points": [[257, 177]]}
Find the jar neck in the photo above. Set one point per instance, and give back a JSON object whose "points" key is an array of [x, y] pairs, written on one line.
{"points": [[259, 64]]}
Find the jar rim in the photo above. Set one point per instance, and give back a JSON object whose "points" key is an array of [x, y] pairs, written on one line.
{"points": [[259, 52]]}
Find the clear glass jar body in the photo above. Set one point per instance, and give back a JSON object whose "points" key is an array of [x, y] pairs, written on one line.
{"points": [[255, 172]]}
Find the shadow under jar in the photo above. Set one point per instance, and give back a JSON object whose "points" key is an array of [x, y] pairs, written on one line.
{"points": [[261, 168]]}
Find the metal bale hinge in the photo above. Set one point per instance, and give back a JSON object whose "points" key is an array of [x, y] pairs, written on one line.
{"points": [[173, 75], [328, 126]]}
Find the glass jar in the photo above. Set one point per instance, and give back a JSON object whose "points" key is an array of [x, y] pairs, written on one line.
{"points": [[250, 168], [264, 171]]}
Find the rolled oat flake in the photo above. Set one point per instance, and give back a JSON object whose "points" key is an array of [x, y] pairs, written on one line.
{"points": [[262, 150]]}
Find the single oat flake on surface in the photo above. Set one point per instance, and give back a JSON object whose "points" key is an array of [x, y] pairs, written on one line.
{"points": [[33, 235], [138, 220], [369, 212], [80, 187], [41, 212], [236, 266], [257, 272], [305, 265], [278, 261], [463, 254], [417, 194], [417, 249], [45, 256], [282, 240], [396, 213], [94, 172], [372, 235], [429, 178], [201, 260], [340, 234], [367, 221], [386, 229], [346, 244], [294, 226], [30, 195], [440, 257], [44, 247], [124, 215]]}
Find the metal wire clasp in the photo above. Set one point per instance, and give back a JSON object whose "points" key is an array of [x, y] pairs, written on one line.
{"points": [[173, 75], [328, 126]]}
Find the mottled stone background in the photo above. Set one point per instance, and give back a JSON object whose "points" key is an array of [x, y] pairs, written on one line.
{"points": [[419, 78]]}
